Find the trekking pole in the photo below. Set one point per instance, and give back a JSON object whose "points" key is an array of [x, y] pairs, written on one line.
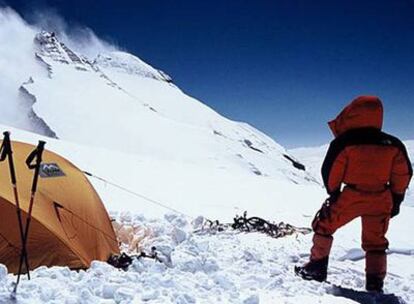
{"points": [[7, 152], [33, 161]]}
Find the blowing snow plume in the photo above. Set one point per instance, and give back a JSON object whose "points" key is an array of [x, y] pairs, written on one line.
{"points": [[78, 38], [19, 65], [66, 83]]}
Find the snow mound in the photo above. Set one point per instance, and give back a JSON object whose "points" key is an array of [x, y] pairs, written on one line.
{"points": [[226, 267]]}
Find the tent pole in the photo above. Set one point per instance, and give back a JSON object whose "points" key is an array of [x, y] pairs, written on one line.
{"points": [[36, 157]]}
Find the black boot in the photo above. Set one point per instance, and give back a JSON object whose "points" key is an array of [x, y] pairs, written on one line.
{"points": [[374, 283], [316, 270]]}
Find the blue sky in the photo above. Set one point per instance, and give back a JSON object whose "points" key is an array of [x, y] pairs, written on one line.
{"points": [[285, 67]]}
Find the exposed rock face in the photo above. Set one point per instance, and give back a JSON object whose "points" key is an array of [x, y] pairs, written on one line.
{"points": [[27, 102]]}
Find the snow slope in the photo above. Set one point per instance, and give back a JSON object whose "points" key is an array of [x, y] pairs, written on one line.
{"points": [[215, 192], [220, 268], [118, 102], [313, 158]]}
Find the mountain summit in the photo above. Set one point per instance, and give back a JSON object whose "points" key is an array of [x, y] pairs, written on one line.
{"points": [[119, 102]]}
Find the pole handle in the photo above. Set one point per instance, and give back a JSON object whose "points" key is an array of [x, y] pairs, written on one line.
{"points": [[5, 148], [35, 157]]}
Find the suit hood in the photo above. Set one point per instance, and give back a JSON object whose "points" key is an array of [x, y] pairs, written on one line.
{"points": [[362, 112]]}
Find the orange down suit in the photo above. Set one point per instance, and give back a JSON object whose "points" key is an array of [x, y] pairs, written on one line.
{"points": [[375, 170]]}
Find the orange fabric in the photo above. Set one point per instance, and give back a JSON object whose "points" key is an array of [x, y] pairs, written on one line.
{"points": [[374, 210], [362, 112], [400, 178], [321, 246], [372, 166], [376, 264], [73, 234], [369, 165]]}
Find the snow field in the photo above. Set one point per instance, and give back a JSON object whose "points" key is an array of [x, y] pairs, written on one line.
{"points": [[119, 119], [223, 268], [226, 267], [217, 190]]}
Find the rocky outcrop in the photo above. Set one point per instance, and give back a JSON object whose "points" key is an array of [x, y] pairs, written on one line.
{"points": [[37, 123]]}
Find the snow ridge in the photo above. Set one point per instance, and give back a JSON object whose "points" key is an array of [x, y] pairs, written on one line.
{"points": [[49, 46], [130, 64]]}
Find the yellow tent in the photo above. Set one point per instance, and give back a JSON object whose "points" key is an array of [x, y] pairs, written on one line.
{"points": [[70, 226]]}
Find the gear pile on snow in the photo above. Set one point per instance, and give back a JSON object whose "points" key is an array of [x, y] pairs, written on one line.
{"points": [[123, 260], [253, 224]]}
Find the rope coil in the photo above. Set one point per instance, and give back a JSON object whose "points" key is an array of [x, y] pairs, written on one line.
{"points": [[253, 224]]}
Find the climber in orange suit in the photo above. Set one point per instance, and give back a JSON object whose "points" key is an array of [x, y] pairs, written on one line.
{"points": [[366, 173]]}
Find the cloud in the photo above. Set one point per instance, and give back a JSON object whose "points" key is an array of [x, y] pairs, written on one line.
{"points": [[16, 63]]}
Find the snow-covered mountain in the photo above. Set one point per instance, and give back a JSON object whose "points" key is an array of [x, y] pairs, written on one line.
{"points": [[114, 103], [226, 267], [117, 101], [158, 150]]}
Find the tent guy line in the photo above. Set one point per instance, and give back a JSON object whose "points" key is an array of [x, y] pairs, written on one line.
{"points": [[137, 194]]}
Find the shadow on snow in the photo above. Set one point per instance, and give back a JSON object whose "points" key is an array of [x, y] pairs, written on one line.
{"points": [[364, 297]]}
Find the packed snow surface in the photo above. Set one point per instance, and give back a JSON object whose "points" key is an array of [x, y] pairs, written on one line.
{"points": [[227, 267]]}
